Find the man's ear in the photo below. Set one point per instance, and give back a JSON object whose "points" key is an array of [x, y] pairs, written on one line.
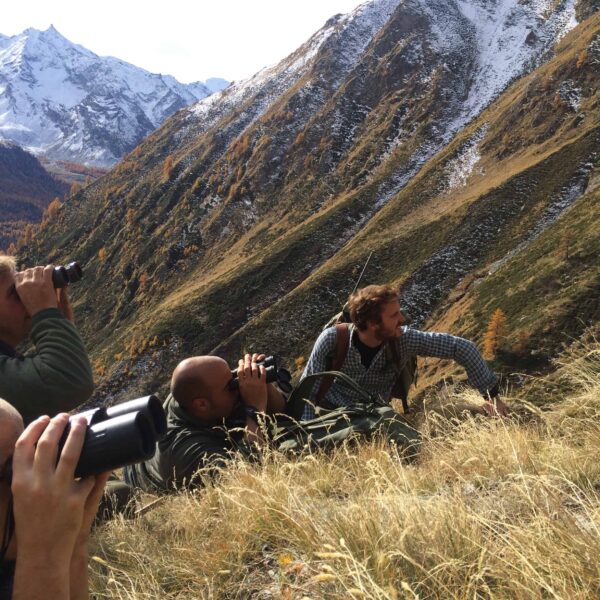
{"points": [[371, 325], [199, 407]]}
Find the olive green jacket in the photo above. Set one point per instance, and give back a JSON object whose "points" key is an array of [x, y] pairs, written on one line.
{"points": [[57, 377], [190, 451]]}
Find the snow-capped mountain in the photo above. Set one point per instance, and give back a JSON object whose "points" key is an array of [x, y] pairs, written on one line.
{"points": [[480, 46], [61, 100]]}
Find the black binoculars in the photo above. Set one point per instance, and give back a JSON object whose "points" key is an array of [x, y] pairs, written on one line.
{"points": [[274, 374], [63, 276], [117, 436]]}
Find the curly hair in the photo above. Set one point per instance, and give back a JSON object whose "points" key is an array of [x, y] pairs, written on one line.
{"points": [[366, 304]]}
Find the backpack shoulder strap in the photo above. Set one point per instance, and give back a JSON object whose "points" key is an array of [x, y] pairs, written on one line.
{"points": [[297, 400], [405, 373], [342, 341]]}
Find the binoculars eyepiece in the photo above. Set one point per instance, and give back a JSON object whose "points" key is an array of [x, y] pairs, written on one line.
{"points": [[63, 276], [274, 375], [117, 436]]}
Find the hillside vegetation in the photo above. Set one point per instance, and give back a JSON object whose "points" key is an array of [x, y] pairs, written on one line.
{"points": [[26, 189], [490, 509], [248, 229], [242, 224]]}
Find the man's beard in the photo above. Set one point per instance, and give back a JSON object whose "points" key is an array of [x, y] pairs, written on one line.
{"points": [[384, 334]]}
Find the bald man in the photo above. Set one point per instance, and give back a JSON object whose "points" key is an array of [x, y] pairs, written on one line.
{"points": [[207, 421]]}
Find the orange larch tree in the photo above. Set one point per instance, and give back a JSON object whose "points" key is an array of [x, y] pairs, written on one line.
{"points": [[167, 168], [495, 335], [52, 209]]}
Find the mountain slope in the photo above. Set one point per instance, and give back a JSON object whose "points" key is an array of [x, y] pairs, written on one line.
{"points": [[64, 101], [244, 220], [26, 189]]}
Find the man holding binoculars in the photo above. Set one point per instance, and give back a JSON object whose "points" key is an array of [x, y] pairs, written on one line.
{"points": [[58, 376], [46, 517], [211, 412]]}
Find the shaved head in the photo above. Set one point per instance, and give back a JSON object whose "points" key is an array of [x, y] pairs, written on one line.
{"points": [[11, 427], [194, 377]]}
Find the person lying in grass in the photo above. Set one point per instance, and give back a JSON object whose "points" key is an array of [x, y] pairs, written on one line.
{"points": [[207, 420]]}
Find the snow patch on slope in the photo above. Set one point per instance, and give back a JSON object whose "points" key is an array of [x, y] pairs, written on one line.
{"points": [[352, 33], [509, 36], [459, 169], [570, 94], [555, 210]]}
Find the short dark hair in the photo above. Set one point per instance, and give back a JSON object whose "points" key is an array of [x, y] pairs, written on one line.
{"points": [[365, 305]]}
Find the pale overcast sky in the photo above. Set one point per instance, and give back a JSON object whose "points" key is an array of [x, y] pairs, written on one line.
{"points": [[191, 40]]}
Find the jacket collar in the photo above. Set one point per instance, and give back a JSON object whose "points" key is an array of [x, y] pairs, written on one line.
{"points": [[8, 350]]}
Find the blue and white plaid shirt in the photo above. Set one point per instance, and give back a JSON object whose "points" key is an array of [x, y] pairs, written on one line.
{"points": [[380, 376]]}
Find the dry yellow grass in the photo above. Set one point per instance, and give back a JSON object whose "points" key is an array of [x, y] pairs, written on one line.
{"points": [[491, 509]]}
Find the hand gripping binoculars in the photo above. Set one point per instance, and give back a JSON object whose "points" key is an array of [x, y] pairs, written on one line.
{"points": [[274, 375], [63, 276], [120, 435], [117, 436]]}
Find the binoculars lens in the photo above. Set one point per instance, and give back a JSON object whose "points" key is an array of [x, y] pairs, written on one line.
{"points": [[63, 276], [120, 435], [117, 436]]}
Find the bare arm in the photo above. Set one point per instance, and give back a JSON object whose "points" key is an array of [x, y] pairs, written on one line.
{"points": [[78, 582], [64, 304], [275, 400]]}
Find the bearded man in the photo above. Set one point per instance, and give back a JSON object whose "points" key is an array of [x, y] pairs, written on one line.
{"points": [[376, 321]]}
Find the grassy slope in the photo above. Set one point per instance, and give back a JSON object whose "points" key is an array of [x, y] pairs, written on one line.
{"points": [[489, 510], [549, 292]]}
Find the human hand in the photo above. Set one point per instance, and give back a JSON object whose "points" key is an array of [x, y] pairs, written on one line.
{"points": [[275, 399], [494, 408], [64, 304], [51, 507], [253, 382], [90, 509], [35, 289]]}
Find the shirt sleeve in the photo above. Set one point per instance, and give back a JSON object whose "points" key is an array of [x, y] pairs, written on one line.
{"points": [[444, 345], [56, 377], [317, 363]]}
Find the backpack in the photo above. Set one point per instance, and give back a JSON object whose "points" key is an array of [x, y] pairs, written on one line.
{"points": [[362, 420]]}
